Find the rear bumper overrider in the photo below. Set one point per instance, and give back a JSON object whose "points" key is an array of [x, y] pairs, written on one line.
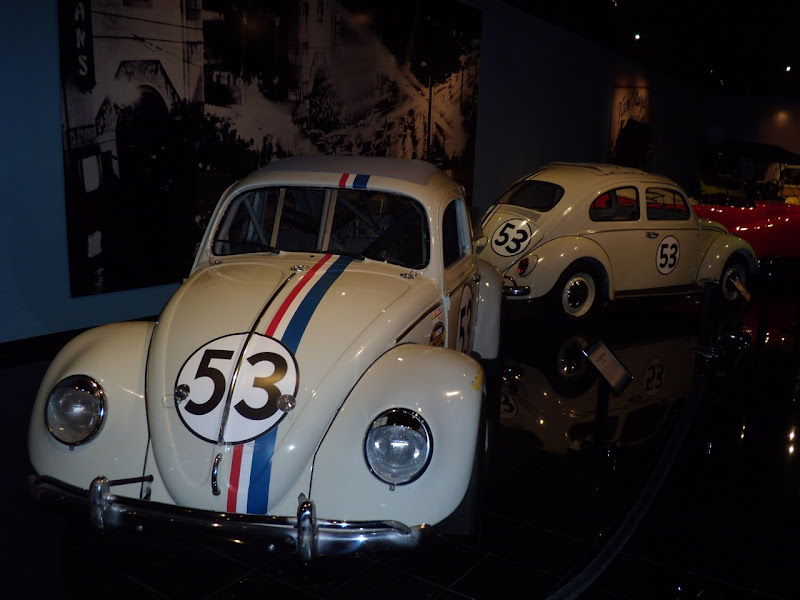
{"points": [[304, 535]]}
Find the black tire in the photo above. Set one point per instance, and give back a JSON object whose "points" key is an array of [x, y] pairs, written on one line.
{"points": [[734, 268], [578, 293]]}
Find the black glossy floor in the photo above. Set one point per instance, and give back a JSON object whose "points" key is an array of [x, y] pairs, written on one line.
{"points": [[694, 496]]}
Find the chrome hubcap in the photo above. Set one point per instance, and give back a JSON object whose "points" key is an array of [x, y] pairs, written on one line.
{"points": [[578, 295]]}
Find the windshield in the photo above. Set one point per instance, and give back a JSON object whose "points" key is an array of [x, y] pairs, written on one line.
{"points": [[533, 194], [723, 191], [360, 223], [791, 176]]}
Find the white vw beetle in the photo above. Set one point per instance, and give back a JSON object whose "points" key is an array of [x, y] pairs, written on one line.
{"points": [[581, 233], [313, 383]]}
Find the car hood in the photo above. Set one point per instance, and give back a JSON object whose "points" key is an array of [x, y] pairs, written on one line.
{"points": [[242, 377]]}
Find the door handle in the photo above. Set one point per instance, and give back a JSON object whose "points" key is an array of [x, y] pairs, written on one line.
{"points": [[651, 235]]}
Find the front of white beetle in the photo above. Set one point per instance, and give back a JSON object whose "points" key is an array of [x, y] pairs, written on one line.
{"points": [[301, 386]]}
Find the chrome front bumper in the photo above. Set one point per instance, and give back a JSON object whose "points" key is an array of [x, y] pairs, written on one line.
{"points": [[304, 535]]}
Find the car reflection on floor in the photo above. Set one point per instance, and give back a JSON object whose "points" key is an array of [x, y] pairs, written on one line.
{"points": [[562, 400]]}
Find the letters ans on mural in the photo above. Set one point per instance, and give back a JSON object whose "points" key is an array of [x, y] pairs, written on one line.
{"points": [[78, 43]]}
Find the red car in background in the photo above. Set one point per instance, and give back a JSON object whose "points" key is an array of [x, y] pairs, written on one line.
{"points": [[772, 227]]}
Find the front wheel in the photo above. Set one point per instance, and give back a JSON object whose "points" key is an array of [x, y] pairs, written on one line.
{"points": [[577, 293]]}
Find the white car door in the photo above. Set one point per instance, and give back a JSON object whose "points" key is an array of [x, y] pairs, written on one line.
{"points": [[459, 289], [650, 236], [672, 239]]}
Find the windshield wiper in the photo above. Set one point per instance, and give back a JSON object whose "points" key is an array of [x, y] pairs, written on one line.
{"points": [[353, 255], [246, 246], [267, 248]]}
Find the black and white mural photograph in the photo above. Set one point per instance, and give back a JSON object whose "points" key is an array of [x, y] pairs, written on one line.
{"points": [[167, 102]]}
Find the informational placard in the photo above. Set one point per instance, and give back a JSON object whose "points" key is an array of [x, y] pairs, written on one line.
{"points": [[609, 366]]}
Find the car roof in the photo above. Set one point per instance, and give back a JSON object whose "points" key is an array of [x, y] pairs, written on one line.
{"points": [[583, 178], [414, 171], [408, 177], [594, 169]]}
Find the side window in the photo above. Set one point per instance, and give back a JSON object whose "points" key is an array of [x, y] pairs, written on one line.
{"points": [[666, 205], [621, 204], [452, 244]]}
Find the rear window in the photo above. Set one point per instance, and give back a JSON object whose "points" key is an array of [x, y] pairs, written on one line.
{"points": [[621, 204], [533, 194], [666, 205]]}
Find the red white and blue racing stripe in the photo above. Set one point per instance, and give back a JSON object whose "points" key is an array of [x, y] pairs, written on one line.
{"points": [[248, 488], [353, 181]]}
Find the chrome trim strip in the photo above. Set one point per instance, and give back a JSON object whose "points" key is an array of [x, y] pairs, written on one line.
{"points": [[422, 317]]}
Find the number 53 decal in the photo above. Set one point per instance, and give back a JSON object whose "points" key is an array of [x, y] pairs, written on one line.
{"points": [[268, 370], [512, 237], [668, 254]]}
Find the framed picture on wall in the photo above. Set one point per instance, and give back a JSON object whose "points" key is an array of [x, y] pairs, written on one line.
{"points": [[167, 103], [631, 138]]}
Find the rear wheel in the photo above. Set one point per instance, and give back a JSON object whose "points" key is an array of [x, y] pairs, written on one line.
{"points": [[577, 293], [735, 269]]}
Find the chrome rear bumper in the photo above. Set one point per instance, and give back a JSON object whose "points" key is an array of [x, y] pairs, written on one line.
{"points": [[304, 535], [511, 289], [515, 291]]}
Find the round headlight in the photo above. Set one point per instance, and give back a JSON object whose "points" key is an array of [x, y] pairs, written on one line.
{"points": [[75, 410], [398, 446]]}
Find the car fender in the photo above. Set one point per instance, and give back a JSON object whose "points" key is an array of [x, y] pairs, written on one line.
{"points": [[555, 256], [489, 302], [115, 356], [445, 388], [721, 249]]}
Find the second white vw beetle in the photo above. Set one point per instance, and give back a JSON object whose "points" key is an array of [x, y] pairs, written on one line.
{"points": [[578, 234], [312, 384]]}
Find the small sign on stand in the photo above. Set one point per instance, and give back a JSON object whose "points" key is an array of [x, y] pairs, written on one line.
{"points": [[609, 366]]}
